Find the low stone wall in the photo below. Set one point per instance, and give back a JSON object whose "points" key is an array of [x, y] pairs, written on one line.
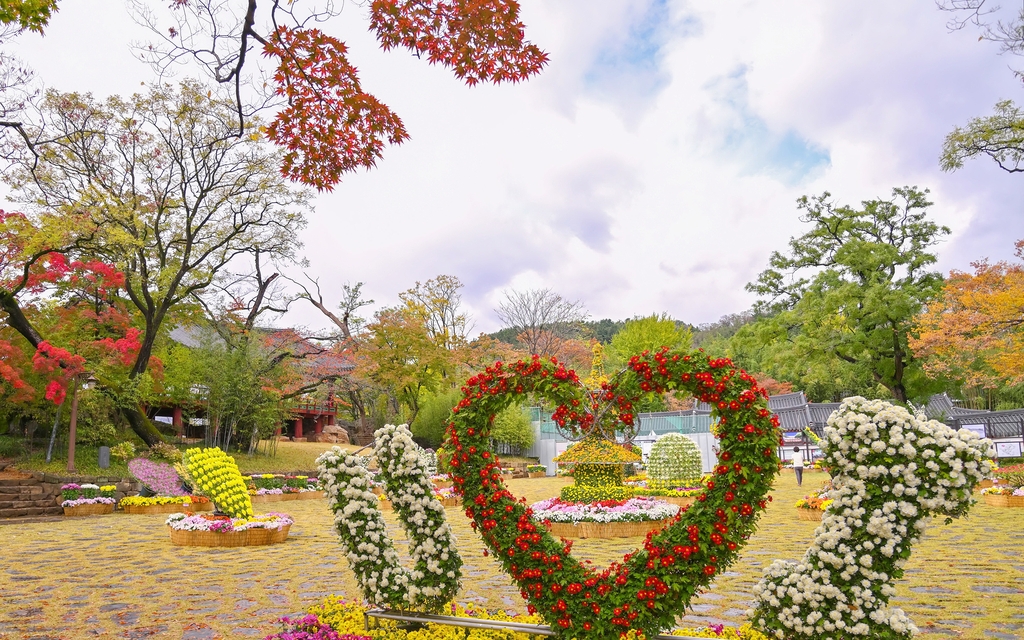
{"points": [[39, 494]]}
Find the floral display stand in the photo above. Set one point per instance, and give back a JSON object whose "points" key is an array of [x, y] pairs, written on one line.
{"points": [[246, 538], [996, 500], [89, 509], [813, 515], [536, 474], [152, 509], [87, 499], [678, 500], [605, 529]]}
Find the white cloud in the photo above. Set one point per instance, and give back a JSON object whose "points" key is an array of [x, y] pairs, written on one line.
{"points": [[654, 165]]}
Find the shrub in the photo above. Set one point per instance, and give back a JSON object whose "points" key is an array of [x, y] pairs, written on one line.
{"points": [[675, 461], [164, 451], [11, 447], [513, 428], [579, 493], [96, 435], [432, 418], [1013, 476], [124, 451]]}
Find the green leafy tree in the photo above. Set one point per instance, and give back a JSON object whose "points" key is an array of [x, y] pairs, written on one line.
{"points": [[648, 333], [160, 187], [999, 136], [513, 428], [432, 418], [845, 294]]}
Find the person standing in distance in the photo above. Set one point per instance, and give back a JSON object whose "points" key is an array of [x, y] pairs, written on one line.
{"points": [[798, 465]]}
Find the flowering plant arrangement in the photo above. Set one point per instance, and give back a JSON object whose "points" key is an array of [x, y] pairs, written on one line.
{"points": [[209, 522], [434, 579], [535, 468], [675, 461], [347, 619], [650, 587], [1012, 475], [1003, 491], [76, 495], [215, 474], [813, 503], [677, 492], [631, 510], [158, 477], [891, 472], [587, 493], [140, 501], [445, 494]]}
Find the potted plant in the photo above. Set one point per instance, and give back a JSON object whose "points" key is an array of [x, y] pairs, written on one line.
{"points": [[536, 470]]}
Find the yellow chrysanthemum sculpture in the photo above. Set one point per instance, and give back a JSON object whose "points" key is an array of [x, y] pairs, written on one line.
{"points": [[216, 476], [597, 470]]}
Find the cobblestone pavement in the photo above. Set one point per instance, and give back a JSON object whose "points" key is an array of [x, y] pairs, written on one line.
{"points": [[118, 576]]}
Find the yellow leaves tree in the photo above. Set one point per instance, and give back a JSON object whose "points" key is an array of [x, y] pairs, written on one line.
{"points": [[975, 331]]}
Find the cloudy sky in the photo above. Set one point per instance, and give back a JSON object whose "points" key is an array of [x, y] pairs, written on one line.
{"points": [[653, 165]]}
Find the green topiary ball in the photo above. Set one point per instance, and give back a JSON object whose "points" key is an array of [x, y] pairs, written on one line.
{"points": [[675, 462]]}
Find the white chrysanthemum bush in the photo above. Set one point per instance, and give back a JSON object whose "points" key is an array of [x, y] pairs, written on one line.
{"points": [[674, 462], [891, 472], [434, 578]]}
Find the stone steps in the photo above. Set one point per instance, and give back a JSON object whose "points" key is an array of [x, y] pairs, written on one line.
{"points": [[25, 500]]}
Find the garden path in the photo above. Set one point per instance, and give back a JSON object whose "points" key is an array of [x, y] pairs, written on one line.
{"points": [[118, 576]]}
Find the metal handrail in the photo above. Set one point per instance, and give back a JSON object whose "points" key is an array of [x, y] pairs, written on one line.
{"points": [[477, 623]]}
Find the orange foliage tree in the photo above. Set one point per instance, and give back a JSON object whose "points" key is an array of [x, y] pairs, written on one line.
{"points": [[975, 331]]}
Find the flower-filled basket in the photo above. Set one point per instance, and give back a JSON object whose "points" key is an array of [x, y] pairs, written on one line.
{"points": [[536, 470], [87, 499], [204, 530], [1003, 496], [604, 519], [164, 504]]}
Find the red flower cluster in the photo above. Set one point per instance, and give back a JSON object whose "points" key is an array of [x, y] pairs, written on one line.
{"points": [[653, 584]]}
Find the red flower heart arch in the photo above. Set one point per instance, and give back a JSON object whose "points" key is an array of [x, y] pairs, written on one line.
{"points": [[652, 585]]}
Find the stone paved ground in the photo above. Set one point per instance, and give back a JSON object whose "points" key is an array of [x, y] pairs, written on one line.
{"points": [[118, 576]]}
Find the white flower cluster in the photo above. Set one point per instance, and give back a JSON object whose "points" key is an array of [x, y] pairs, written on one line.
{"points": [[674, 462], [890, 472], [437, 567]]}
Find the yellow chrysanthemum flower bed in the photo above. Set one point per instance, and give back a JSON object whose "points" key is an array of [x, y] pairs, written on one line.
{"points": [[216, 476], [347, 618]]}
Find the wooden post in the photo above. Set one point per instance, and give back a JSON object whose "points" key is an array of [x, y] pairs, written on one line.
{"points": [[177, 422], [298, 428], [74, 423], [320, 420]]}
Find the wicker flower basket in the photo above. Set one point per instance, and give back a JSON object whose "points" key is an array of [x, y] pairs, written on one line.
{"points": [[89, 510], [1003, 501], [385, 505], [605, 529], [442, 484], [137, 509], [267, 497], [290, 496], [310, 495], [537, 474], [814, 515], [378, 490], [247, 538], [454, 501], [984, 484], [679, 500], [197, 507]]}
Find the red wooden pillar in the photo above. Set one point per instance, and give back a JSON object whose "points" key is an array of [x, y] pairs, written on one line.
{"points": [[330, 419], [298, 428], [320, 420], [176, 422], [277, 432]]}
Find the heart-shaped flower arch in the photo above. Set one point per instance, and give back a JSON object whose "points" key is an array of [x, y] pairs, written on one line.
{"points": [[652, 585]]}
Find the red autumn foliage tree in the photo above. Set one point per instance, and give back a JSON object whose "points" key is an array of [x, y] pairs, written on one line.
{"points": [[325, 122], [75, 304]]}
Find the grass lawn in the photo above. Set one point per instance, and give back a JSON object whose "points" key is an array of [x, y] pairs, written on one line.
{"points": [[117, 576], [291, 456]]}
